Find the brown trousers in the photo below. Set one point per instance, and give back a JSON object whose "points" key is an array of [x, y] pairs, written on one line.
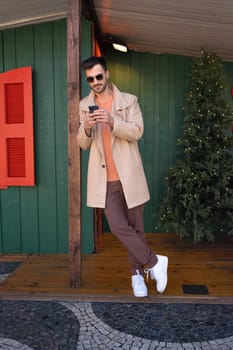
{"points": [[128, 226]]}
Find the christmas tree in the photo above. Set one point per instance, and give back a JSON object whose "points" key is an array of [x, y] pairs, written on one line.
{"points": [[198, 198]]}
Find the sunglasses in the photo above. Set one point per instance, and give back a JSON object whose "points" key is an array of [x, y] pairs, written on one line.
{"points": [[97, 77]]}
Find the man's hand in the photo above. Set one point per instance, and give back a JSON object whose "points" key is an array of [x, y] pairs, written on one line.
{"points": [[99, 116], [102, 116]]}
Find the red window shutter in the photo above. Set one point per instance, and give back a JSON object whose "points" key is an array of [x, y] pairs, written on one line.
{"points": [[16, 128]]}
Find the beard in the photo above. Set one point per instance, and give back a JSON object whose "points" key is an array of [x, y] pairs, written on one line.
{"points": [[99, 88]]}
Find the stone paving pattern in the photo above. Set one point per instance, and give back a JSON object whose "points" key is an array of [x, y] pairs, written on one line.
{"points": [[43, 325]]}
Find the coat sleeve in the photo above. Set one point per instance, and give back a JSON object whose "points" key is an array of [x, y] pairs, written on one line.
{"points": [[128, 122], [83, 140]]}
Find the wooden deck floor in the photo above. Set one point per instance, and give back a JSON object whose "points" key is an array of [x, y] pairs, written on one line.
{"points": [[106, 276]]}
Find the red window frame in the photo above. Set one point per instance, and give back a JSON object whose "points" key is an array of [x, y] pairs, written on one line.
{"points": [[16, 128]]}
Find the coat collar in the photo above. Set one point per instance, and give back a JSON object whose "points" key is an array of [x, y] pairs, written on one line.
{"points": [[119, 101]]}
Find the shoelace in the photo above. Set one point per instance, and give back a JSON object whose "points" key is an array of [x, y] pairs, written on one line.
{"points": [[149, 272]]}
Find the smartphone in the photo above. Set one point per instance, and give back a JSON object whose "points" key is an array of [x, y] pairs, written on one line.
{"points": [[93, 108]]}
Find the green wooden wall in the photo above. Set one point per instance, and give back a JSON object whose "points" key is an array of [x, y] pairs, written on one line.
{"points": [[87, 213], [34, 219]]}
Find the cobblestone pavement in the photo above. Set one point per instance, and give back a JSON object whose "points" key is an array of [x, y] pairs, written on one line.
{"points": [[45, 325]]}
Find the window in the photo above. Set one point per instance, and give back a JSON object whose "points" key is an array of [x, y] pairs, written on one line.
{"points": [[16, 128]]}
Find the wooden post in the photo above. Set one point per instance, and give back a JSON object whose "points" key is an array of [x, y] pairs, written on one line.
{"points": [[74, 173]]}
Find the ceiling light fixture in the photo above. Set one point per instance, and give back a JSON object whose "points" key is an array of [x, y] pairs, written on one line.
{"points": [[120, 46]]}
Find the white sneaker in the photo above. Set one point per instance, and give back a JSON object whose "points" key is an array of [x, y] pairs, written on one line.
{"points": [[159, 273], [138, 285]]}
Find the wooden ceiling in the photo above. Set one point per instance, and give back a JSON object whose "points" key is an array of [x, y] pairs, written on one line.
{"points": [[160, 26], [170, 26]]}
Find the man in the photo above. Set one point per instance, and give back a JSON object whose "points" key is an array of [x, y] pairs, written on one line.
{"points": [[116, 179]]}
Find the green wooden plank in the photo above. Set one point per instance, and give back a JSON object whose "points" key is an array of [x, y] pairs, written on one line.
{"points": [[9, 50], [45, 138], [146, 96], [228, 69], [60, 105], [10, 205], [171, 137], [111, 63], [134, 79], [28, 195], [24, 39], [156, 182], [123, 72], [29, 220], [87, 213], [146, 104], [11, 226], [164, 121]]}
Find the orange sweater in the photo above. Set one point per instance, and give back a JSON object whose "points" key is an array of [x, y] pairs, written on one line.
{"points": [[112, 174]]}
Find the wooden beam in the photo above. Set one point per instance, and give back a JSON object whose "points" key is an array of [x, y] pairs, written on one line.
{"points": [[74, 174]]}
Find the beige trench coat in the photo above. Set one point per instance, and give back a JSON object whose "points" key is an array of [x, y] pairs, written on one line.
{"points": [[128, 129]]}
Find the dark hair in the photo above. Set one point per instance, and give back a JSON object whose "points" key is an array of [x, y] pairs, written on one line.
{"points": [[92, 61]]}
